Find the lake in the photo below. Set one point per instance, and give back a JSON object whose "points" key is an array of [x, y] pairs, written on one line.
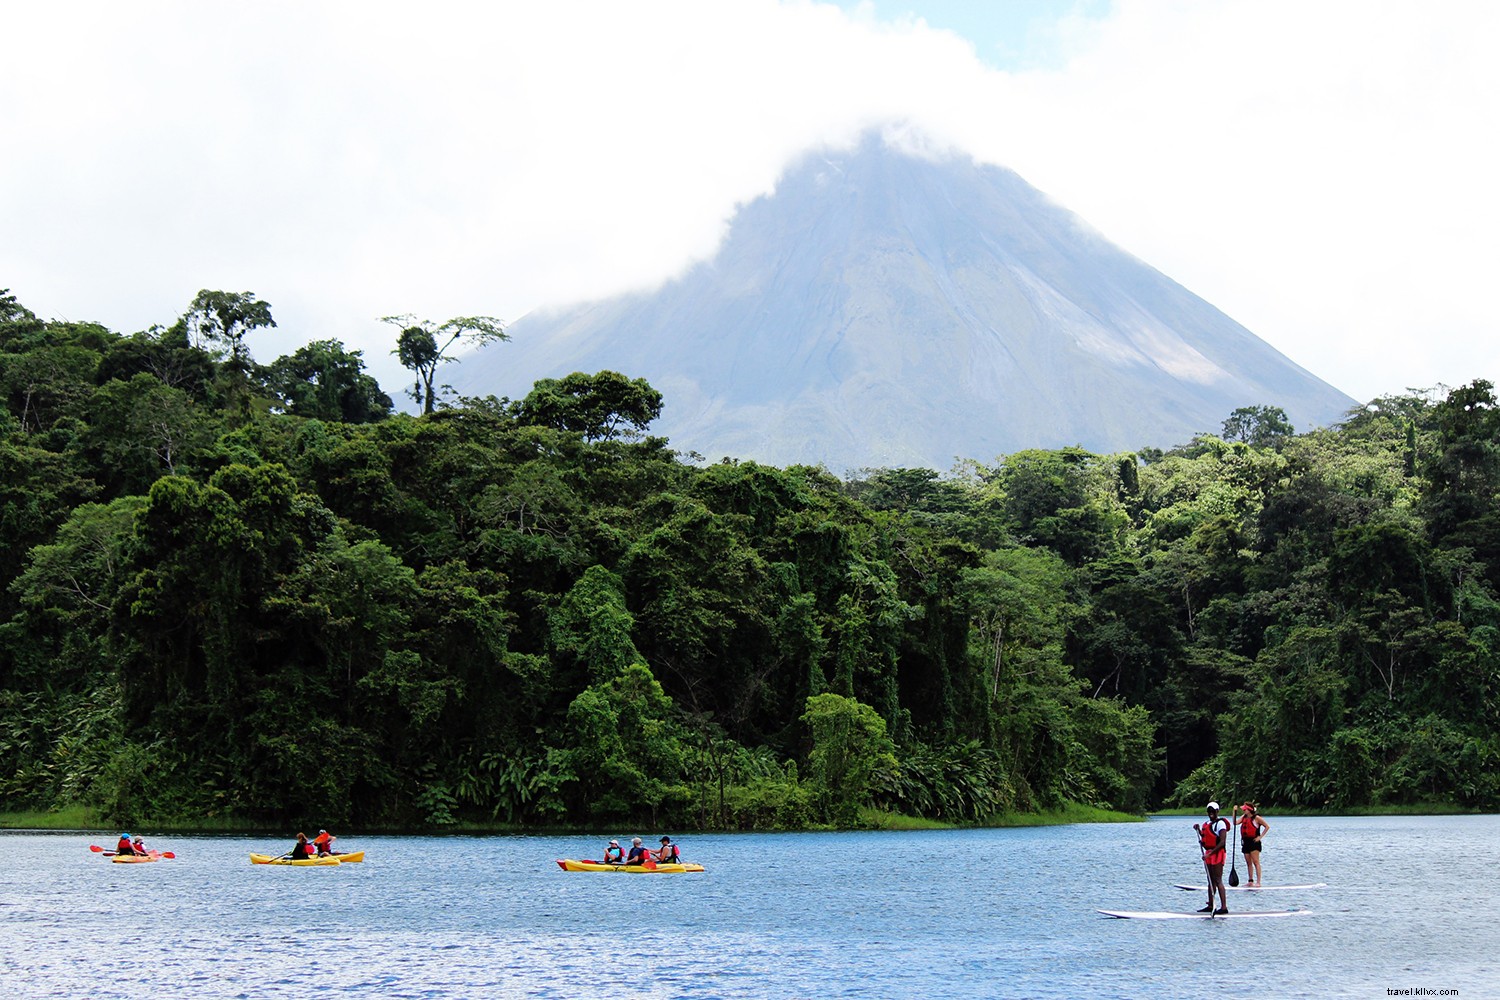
{"points": [[1411, 904]]}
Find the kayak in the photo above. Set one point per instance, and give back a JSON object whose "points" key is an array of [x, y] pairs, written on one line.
{"points": [[353, 857], [271, 859], [569, 865], [134, 859]]}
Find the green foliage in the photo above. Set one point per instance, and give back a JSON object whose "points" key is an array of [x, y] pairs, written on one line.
{"points": [[235, 594], [599, 407], [325, 381], [849, 748]]}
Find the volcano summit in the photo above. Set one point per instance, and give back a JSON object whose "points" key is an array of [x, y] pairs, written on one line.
{"points": [[883, 308]]}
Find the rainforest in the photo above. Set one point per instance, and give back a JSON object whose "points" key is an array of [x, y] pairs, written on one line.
{"points": [[257, 593]]}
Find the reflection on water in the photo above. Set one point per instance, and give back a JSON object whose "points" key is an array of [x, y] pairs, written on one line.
{"points": [[974, 913]]}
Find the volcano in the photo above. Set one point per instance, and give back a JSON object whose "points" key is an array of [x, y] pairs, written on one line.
{"points": [[885, 308]]}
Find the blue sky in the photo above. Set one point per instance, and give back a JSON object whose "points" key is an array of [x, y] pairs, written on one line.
{"points": [[1324, 172], [1006, 34]]}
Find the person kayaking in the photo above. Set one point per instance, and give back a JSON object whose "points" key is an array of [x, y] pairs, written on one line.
{"points": [[638, 855], [1253, 827], [1212, 837], [138, 846], [124, 846], [301, 850], [614, 854], [669, 854], [324, 843]]}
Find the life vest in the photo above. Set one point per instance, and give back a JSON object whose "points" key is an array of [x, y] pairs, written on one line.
{"points": [[1208, 839], [670, 854], [123, 847], [1248, 829]]}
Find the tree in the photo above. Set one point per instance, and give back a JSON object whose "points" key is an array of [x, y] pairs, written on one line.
{"points": [[225, 318], [1260, 426], [595, 406], [418, 348], [849, 747], [327, 381]]}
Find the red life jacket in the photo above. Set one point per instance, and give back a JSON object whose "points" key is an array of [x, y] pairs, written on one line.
{"points": [[669, 854], [1208, 838], [123, 847], [1248, 828]]}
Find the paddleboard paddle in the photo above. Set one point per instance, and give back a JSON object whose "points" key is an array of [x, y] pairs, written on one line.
{"points": [[1234, 875]]}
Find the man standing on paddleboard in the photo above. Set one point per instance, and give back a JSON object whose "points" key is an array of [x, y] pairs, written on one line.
{"points": [[1211, 838]]}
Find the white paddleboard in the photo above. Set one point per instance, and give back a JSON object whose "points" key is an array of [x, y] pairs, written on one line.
{"points": [[1170, 915], [1201, 887]]}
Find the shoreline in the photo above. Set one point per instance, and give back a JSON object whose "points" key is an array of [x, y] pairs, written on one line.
{"points": [[80, 819]]}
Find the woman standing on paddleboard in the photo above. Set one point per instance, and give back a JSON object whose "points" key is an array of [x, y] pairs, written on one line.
{"points": [[1252, 828], [1212, 837]]}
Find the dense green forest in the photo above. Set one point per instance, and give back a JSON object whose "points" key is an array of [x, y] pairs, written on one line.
{"points": [[256, 592]]}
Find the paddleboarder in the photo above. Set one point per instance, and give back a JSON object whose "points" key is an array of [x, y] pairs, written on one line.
{"points": [[1252, 828], [1212, 837]]}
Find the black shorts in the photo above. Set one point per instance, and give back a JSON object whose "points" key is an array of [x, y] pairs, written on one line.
{"points": [[1250, 845]]}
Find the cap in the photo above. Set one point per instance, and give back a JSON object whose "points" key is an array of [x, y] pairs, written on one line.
{"points": [[614, 843], [322, 831], [1214, 806], [665, 839]]}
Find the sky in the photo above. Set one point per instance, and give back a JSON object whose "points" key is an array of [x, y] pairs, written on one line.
{"points": [[1324, 171]]}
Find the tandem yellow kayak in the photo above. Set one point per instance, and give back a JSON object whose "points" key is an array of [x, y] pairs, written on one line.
{"points": [[333, 859], [569, 865], [134, 859]]}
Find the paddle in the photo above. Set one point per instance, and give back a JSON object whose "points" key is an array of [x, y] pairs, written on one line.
{"points": [[1207, 871], [1234, 875]]}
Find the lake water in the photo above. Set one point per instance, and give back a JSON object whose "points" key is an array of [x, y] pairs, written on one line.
{"points": [[1411, 904]]}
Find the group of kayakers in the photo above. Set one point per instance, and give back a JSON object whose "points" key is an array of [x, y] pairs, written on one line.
{"points": [[1213, 839], [320, 846], [128, 846], [639, 855]]}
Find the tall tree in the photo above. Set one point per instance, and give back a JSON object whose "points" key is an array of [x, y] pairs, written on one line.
{"points": [[225, 318], [423, 345]]}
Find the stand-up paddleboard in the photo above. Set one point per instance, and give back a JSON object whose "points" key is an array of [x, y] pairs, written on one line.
{"points": [[1171, 915], [1254, 888]]}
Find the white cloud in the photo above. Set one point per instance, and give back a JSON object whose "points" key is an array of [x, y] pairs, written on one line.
{"points": [[1323, 172]]}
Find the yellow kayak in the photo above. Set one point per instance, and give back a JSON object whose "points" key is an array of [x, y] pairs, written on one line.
{"points": [[334, 859], [134, 859], [569, 865]]}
